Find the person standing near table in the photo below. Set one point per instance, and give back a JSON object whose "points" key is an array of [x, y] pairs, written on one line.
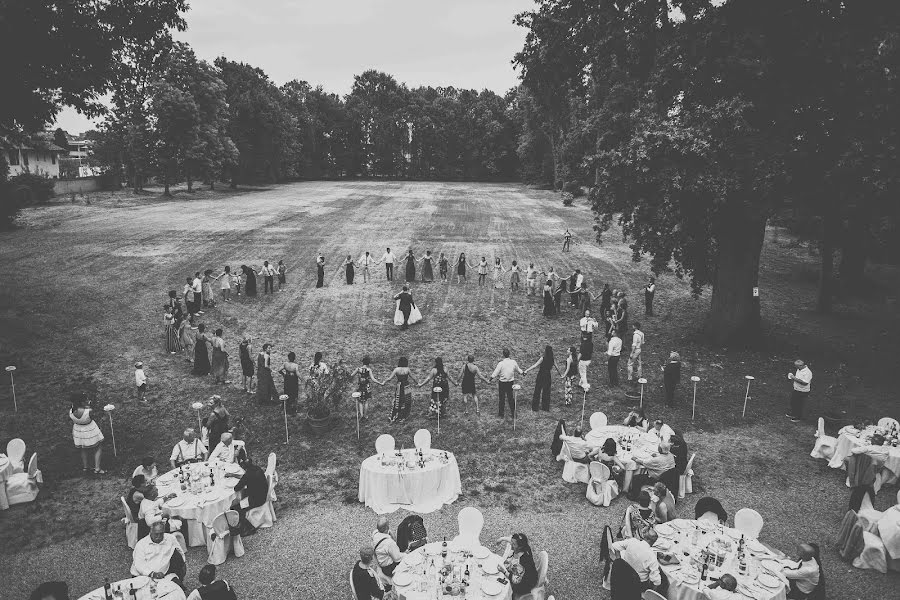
{"points": [[637, 343], [802, 377], [366, 261], [217, 422], [268, 273], [541, 398], [613, 350], [388, 259], [671, 376], [649, 292], [368, 580], [320, 271], [506, 372], [466, 380]]}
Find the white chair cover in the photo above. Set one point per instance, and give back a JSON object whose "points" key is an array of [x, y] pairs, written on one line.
{"points": [[131, 527], [626, 524], [867, 511], [471, 521], [598, 419], [384, 443], [263, 516], [270, 471], [353, 595], [601, 490], [23, 487], [15, 452], [224, 543], [573, 472], [652, 595], [749, 522], [825, 444], [686, 479], [539, 591], [873, 555], [885, 423], [422, 439]]}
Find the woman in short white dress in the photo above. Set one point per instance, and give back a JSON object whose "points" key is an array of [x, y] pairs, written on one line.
{"points": [[86, 433]]}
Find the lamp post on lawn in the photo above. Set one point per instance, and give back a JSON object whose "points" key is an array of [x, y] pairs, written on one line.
{"points": [[109, 408], [749, 379], [642, 381], [356, 397], [437, 390], [516, 388], [284, 398], [585, 388], [695, 379], [12, 382], [197, 406]]}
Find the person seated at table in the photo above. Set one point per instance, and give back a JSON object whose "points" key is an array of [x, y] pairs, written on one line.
{"points": [[662, 431], [256, 491], [639, 554], [211, 588], [643, 518], [518, 564], [152, 510], [147, 468], [135, 494], [659, 462], [368, 580], [158, 555], [663, 503], [710, 509], [188, 450], [578, 448], [51, 590], [679, 451], [804, 578], [637, 418], [226, 451], [387, 552], [621, 469], [722, 589]]}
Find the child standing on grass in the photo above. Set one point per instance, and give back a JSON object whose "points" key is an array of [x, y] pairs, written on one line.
{"points": [[482, 271], [140, 380], [282, 280], [225, 283], [236, 281]]}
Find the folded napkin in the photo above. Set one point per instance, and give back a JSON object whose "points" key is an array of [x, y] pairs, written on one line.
{"points": [[667, 558]]}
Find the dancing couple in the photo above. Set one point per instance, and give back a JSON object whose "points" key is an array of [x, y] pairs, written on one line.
{"points": [[406, 312]]}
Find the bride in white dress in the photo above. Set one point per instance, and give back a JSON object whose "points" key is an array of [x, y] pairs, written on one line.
{"points": [[406, 312]]}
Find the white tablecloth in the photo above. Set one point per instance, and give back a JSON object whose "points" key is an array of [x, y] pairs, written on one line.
{"points": [[5, 471], [165, 590], [386, 489], [417, 564], [205, 506], [748, 585], [643, 444], [847, 440]]}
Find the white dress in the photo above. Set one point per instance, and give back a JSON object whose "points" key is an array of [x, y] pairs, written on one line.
{"points": [[85, 431], [415, 315]]}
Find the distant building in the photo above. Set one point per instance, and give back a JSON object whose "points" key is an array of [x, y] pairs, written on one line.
{"points": [[37, 156], [80, 148]]}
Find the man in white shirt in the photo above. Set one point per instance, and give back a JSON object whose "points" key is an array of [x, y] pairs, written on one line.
{"points": [[158, 554], [366, 261], [387, 552], [388, 259], [613, 350], [151, 509], [506, 372], [226, 451], [662, 431], [642, 558], [802, 377], [140, 380], [659, 462], [637, 342], [588, 323], [579, 449], [804, 578], [189, 449], [197, 288], [268, 273]]}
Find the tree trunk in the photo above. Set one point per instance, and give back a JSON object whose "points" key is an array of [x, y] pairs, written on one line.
{"points": [[190, 181], [734, 314]]}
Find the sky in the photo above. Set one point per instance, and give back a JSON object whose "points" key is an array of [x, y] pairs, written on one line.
{"points": [[459, 43]]}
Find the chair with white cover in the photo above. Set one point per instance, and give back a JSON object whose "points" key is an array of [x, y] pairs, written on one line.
{"points": [[652, 595], [539, 591], [873, 555], [15, 452], [888, 423], [626, 522], [573, 472], [867, 511], [263, 516], [384, 443], [23, 487], [353, 595], [271, 463], [422, 439], [749, 522], [222, 541], [686, 479], [471, 521], [825, 444], [601, 490], [598, 419], [131, 526]]}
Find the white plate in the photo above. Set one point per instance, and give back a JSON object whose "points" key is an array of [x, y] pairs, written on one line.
{"points": [[756, 546], [690, 577], [770, 564], [491, 587], [432, 549], [733, 534], [665, 529], [481, 552], [414, 558], [140, 581], [402, 579], [176, 501], [490, 568], [663, 544], [769, 581]]}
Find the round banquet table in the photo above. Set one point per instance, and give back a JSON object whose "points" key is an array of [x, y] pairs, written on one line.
{"points": [[204, 506], [675, 538], [416, 565], [385, 486], [6, 470], [643, 444], [165, 590], [849, 438]]}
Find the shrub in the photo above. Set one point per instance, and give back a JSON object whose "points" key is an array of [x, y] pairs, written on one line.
{"points": [[568, 199], [325, 393], [574, 188], [31, 188]]}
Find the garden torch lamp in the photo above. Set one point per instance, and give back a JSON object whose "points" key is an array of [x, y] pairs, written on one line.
{"points": [[109, 408], [642, 381], [12, 382], [284, 398], [516, 388], [695, 379], [437, 391], [197, 406], [584, 387], [356, 397], [749, 379]]}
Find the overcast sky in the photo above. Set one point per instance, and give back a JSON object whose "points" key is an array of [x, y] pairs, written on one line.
{"points": [[463, 43]]}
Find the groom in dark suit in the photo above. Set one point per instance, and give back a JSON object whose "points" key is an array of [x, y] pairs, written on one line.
{"points": [[406, 304]]}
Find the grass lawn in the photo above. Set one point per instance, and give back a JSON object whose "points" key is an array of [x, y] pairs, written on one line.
{"points": [[82, 296]]}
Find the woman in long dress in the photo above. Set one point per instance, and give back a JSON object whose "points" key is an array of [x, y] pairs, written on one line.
{"points": [[320, 271], [427, 267], [497, 274], [541, 398], [365, 377], [245, 350], [466, 381], [402, 403], [557, 295], [570, 376], [219, 358], [440, 379], [461, 263], [291, 374], [410, 266], [217, 422], [249, 280], [549, 304], [173, 343], [202, 366], [349, 270], [86, 433], [265, 384]]}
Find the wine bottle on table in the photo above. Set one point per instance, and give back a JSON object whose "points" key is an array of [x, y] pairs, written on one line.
{"points": [[107, 590], [703, 572]]}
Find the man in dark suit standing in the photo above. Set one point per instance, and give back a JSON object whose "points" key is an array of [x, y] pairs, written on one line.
{"points": [[406, 303]]}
